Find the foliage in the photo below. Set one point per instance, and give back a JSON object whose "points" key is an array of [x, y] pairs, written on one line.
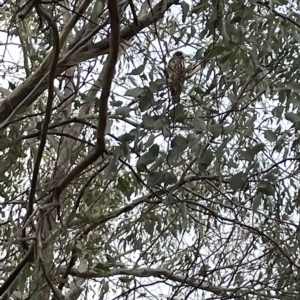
{"points": [[194, 200]]}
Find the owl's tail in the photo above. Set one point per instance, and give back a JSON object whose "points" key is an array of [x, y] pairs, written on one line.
{"points": [[175, 93]]}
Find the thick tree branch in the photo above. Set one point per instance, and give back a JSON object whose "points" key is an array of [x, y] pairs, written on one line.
{"points": [[108, 73], [30, 89], [108, 77], [158, 273], [45, 65], [127, 33]]}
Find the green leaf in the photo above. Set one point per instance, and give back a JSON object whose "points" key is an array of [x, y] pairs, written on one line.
{"points": [[105, 286], [199, 54], [266, 188], [169, 178], [102, 267], [236, 19], [111, 169], [295, 100], [183, 212], [199, 125], [296, 36], [158, 163], [294, 118], [277, 111], [110, 259], [217, 50], [133, 81], [125, 187], [148, 121], [228, 129], [150, 141], [146, 99], [233, 98], [270, 135], [250, 153], [193, 141], [126, 150], [97, 10], [123, 111], [272, 175], [177, 113], [169, 200], [178, 144], [127, 137], [294, 86], [158, 124], [155, 178], [216, 129], [116, 103], [205, 160], [166, 130], [220, 151], [225, 58], [237, 181], [232, 164], [125, 279], [157, 85], [136, 92], [138, 70], [148, 158], [256, 201], [185, 9]]}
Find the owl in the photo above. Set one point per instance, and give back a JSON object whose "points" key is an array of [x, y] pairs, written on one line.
{"points": [[176, 72]]}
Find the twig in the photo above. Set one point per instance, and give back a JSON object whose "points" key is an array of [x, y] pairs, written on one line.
{"points": [[135, 18]]}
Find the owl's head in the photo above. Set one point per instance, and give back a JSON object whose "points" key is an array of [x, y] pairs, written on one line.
{"points": [[178, 54]]}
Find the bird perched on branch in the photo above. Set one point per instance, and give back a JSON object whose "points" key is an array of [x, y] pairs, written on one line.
{"points": [[176, 72]]}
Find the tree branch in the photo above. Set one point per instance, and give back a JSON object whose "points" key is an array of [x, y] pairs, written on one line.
{"points": [[56, 49], [108, 73], [278, 14], [158, 273], [26, 93], [11, 278], [108, 77]]}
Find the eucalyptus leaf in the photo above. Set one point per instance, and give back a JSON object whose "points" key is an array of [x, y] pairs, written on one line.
{"points": [[237, 181], [185, 9], [148, 158], [123, 111], [138, 70]]}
